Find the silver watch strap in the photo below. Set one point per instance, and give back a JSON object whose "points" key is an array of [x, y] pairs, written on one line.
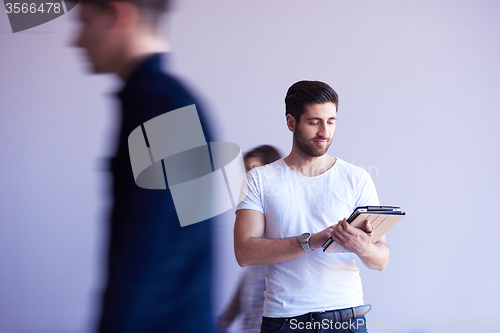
{"points": [[305, 242]]}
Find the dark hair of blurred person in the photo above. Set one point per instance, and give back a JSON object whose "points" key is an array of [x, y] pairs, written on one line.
{"points": [[302, 93], [151, 10], [117, 35], [259, 156], [158, 273]]}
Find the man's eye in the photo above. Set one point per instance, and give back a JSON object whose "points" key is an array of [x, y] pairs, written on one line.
{"points": [[315, 123]]}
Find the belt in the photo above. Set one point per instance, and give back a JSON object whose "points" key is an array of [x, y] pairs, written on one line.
{"points": [[338, 315]]}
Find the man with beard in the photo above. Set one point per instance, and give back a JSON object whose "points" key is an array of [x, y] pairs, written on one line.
{"points": [[289, 211]]}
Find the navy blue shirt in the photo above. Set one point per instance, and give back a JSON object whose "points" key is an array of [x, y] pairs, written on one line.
{"points": [[158, 272]]}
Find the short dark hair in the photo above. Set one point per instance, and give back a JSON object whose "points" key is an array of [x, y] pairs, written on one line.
{"points": [[151, 10], [269, 154], [159, 5], [308, 92]]}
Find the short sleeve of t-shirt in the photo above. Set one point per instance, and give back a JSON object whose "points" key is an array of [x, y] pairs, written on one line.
{"points": [[252, 198]]}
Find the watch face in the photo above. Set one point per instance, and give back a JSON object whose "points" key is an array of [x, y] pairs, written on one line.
{"points": [[304, 236]]}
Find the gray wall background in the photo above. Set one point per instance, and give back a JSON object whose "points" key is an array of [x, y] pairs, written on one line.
{"points": [[418, 85]]}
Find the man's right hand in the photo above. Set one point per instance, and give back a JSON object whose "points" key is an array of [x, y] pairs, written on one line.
{"points": [[251, 249], [318, 239]]}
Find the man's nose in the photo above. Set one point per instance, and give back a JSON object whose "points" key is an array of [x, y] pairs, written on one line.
{"points": [[323, 130]]}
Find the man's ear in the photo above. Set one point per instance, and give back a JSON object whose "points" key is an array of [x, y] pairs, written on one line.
{"points": [[290, 122], [126, 14]]}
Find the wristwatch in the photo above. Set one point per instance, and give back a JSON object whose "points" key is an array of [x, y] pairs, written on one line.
{"points": [[304, 241]]}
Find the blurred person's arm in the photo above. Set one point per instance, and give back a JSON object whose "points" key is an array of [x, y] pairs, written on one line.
{"points": [[251, 249], [232, 310]]}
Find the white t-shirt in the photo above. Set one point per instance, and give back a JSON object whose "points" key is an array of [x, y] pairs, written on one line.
{"points": [[294, 204]]}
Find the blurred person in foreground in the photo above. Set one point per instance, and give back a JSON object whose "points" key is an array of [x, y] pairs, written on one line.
{"points": [[290, 210], [158, 273], [248, 300]]}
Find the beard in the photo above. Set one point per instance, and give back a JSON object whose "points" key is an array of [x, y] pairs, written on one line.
{"points": [[307, 147]]}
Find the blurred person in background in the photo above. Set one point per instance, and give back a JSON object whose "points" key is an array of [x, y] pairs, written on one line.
{"points": [[248, 300], [158, 273]]}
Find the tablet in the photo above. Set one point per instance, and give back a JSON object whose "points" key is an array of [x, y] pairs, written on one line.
{"points": [[382, 219]]}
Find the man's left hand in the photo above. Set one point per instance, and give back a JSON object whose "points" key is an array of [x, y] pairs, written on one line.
{"points": [[354, 239]]}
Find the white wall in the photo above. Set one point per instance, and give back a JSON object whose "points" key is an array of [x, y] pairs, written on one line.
{"points": [[417, 83]]}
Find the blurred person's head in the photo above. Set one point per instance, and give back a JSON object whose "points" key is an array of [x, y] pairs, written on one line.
{"points": [[116, 34], [311, 111], [260, 156]]}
